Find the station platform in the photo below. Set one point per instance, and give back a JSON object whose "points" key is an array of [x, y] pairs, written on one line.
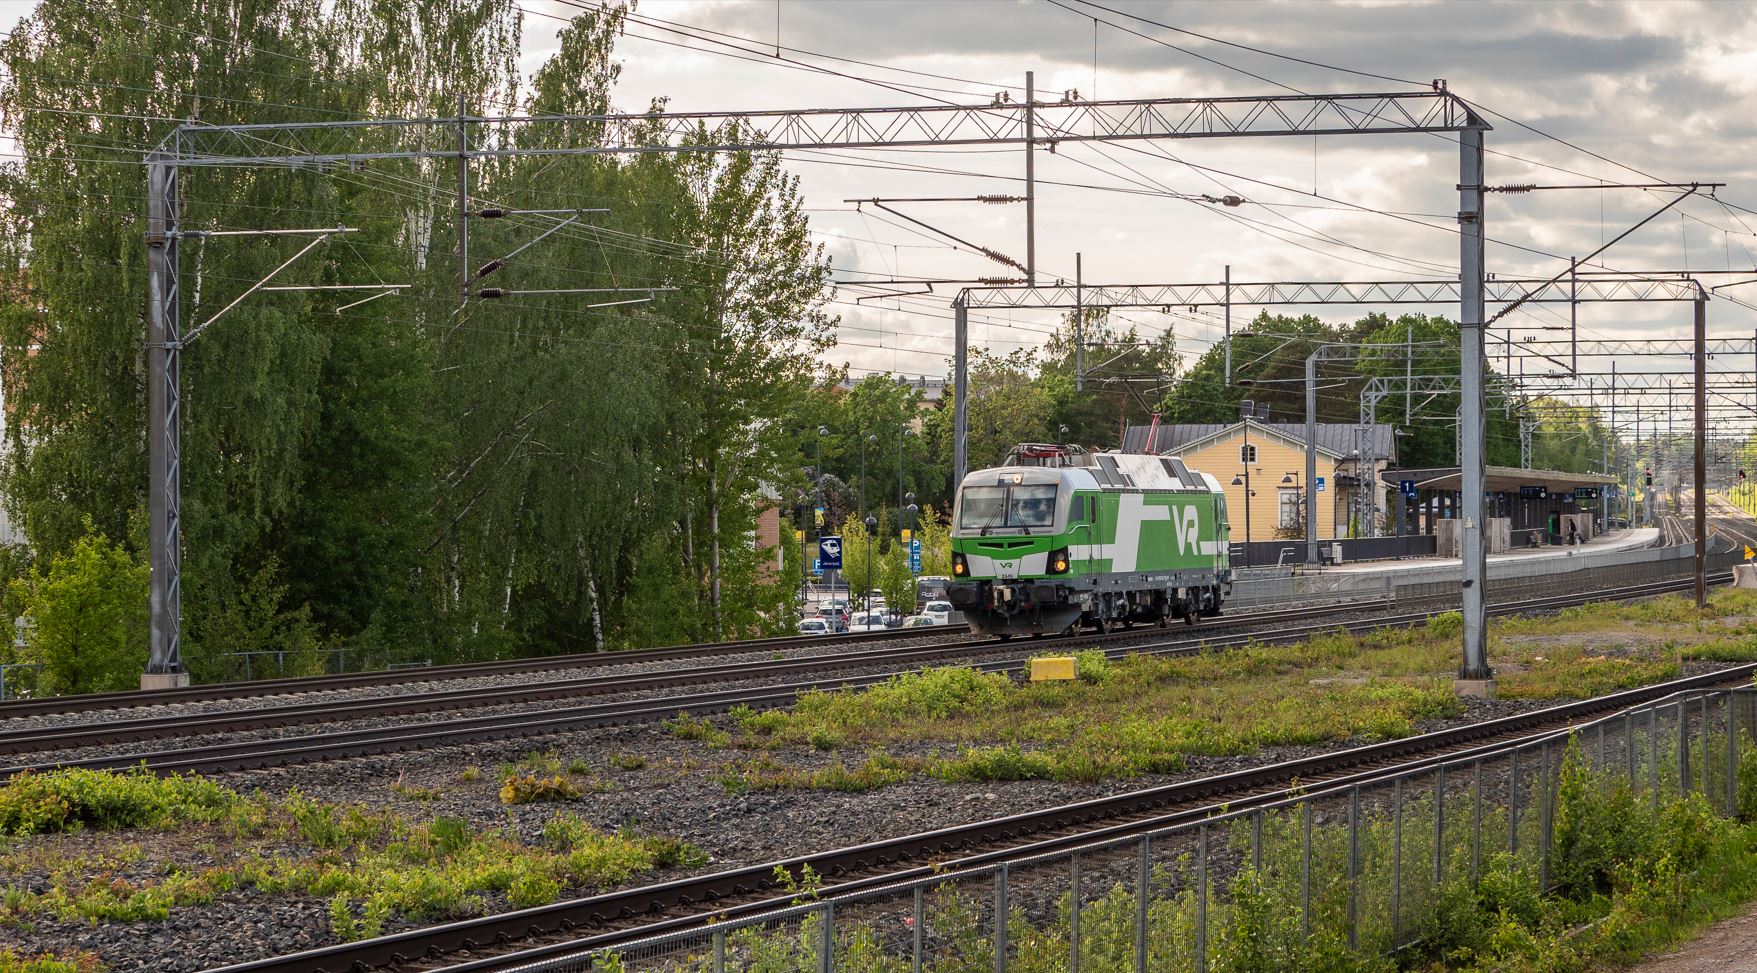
{"points": [[1373, 579], [1632, 539]]}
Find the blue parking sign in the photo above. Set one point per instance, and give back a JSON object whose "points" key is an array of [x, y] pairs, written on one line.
{"points": [[915, 554], [829, 552]]}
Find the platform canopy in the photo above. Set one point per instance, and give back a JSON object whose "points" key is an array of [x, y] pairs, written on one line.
{"points": [[1501, 479]]}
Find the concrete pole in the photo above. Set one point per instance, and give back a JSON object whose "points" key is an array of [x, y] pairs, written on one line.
{"points": [[463, 206], [1312, 457], [164, 667], [1031, 177], [1226, 289], [1080, 329], [1701, 451], [960, 392], [1474, 675]]}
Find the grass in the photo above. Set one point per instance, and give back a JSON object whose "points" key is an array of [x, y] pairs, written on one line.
{"points": [[70, 962], [372, 866], [1144, 715]]}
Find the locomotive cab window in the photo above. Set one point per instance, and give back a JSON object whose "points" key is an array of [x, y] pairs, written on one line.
{"points": [[1023, 506], [982, 506], [1031, 506]]}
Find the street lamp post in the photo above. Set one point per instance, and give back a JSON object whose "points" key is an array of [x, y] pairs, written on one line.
{"points": [[1245, 481], [1298, 494], [871, 540]]}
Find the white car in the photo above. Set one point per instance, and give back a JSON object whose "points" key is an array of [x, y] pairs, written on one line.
{"points": [[865, 622], [939, 611], [920, 621], [814, 626]]}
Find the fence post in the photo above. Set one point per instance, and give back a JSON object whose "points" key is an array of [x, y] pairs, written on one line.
{"points": [[1439, 826], [1629, 745], [1073, 918], [1732, 755], [826, 952], [1353, 859], [1000, 919], [1305, 871], [1475, 820], [1683, 748], [1397, 862], [1257, 840], [1142, 878], [1513, 807], [1202, 899], [1546, 806], [1653, 770], [918, 916], [719, 951], [1702, 728]]}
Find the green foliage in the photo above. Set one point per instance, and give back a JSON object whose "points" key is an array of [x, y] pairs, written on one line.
{"points": [[67, 800], [88, 616], [369, 865], [73, 962], [520, 789]]}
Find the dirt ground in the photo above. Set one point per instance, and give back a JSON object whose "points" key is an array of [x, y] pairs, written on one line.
{"points": [[1728, 945]]}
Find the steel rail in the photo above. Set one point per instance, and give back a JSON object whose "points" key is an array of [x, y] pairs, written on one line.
{"points": [[339, 744], [88, 702], [754, 887], [36, 739]]}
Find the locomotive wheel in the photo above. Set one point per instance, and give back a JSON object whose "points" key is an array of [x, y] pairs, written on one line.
{"points": [[1190, 616], [1106, 626]]}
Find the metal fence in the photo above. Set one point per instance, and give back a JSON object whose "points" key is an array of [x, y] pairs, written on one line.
{"points": [[1354, 869]]}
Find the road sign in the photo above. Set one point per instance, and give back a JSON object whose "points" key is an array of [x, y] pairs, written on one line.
{"points": [[914, 554], [1407, 488], [829, 552], [1320, 484], [1749, 554], [817, 565]]}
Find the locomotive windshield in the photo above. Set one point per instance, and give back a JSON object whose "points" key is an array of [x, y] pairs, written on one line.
{"points": [[1025, 506]]}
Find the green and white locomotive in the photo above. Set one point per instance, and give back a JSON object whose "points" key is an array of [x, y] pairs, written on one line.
{"points": [[1057, 538]]}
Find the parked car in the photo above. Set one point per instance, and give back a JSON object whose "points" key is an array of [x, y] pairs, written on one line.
{"points": [[867, 622], [836, 618], [939, 611], [930, 588], [919, 621], [815, 626]]}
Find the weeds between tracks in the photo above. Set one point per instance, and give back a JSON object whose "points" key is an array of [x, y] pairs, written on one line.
{"points": [[1151, 714]]}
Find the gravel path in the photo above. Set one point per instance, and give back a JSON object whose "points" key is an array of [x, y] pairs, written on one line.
{"points": [[1728, 946]]}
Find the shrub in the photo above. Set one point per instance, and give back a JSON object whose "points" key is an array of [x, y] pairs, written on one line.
{"points": [[520, 789], [66, 800]]}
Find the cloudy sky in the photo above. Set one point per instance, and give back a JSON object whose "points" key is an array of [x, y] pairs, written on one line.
{"points": [[1643, 92], [1646, 92]]}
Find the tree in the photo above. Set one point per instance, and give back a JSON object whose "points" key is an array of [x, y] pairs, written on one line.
{"points": [[1008, 406], [87, 611], [860, 574], [1125, 377]]}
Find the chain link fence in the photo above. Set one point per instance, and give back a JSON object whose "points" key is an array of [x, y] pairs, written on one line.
{"points": [[1359, 868]]}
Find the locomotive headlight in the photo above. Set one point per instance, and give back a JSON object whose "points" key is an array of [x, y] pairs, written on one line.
{"points": [[959, 568], [1058, 561]]}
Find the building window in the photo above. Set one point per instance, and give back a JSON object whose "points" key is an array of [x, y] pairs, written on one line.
{"points": [[1247, 454], [1289, 507]]}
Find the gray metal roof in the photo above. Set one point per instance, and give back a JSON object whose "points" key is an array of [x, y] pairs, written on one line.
{"points": [[1334, 437]]}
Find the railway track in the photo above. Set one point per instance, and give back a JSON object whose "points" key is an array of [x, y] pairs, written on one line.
{"points": [[47, 738], [89, 702], [338, 744], [617, 918]]}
